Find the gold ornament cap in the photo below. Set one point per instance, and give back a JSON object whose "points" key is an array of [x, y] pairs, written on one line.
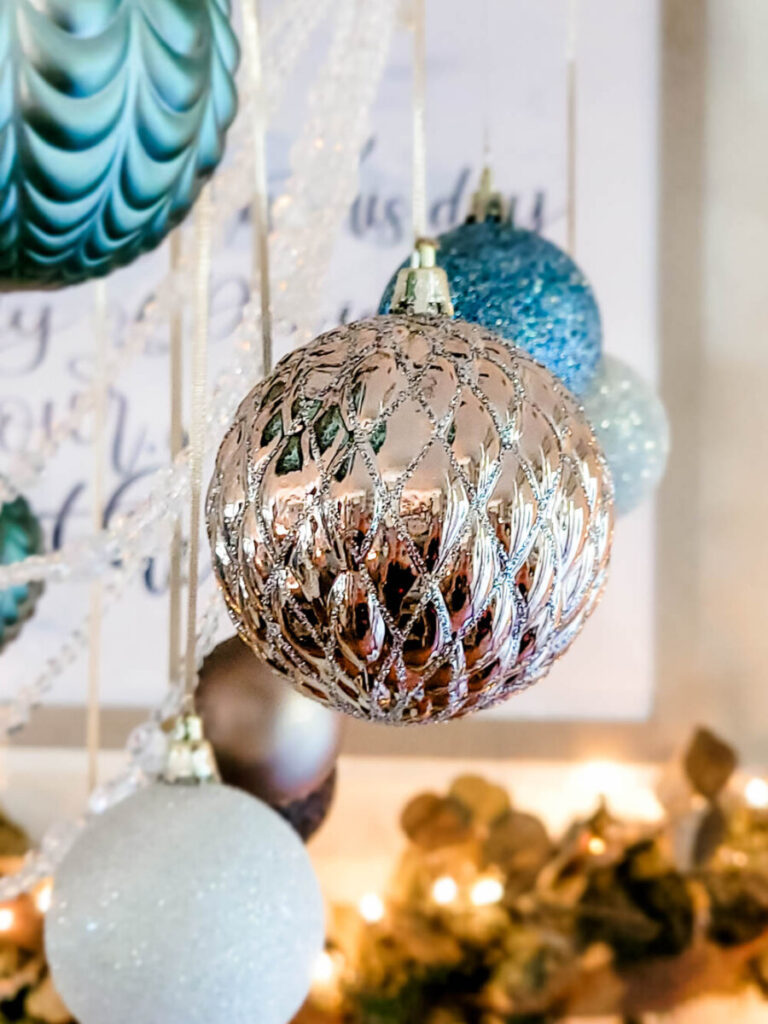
{"points": [[422, 287], [487, 204], [190, 759]]}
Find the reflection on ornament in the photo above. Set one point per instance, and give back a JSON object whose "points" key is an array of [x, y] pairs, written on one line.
{"points": [[525, 289], [191, 903], [20, 537], [629, 420], [112, 115], [268, 739], [410, 519]]}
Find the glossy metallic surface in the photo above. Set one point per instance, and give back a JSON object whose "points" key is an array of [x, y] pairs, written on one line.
{"points": [[112, 115], [410, 519]]}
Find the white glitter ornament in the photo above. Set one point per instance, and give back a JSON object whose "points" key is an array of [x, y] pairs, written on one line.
{"points": [[185, 903], [630, 423]]}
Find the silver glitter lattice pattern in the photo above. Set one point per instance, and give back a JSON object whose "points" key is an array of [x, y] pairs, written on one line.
{"points": [[410, 519]]}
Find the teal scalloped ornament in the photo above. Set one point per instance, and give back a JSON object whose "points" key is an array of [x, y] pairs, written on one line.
{"points": [[113, 113], [20, 537]]}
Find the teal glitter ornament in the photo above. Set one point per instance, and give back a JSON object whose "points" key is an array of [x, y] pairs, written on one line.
{"points": [[522, 287], [630, 422], [20, 536], [113, 114]]}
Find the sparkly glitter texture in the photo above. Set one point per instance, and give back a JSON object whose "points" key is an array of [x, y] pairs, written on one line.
{"points": [[630, 422], [192, 904], [20, 536], [522, 287], [410, 518]]}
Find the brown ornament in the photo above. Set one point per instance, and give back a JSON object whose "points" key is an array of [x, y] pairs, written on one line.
{"points": [[308, 814], [268, 739]]}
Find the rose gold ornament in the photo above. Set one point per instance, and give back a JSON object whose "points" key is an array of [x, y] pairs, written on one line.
{"points": [[410, 519]]}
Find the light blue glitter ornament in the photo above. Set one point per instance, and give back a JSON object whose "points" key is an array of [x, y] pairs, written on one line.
{"points": [[523, 288], [629, 420], [20, 536], [112, 116]]}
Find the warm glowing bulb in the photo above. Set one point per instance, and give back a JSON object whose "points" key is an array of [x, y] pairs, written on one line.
{"points": [[371, 907], [486, 891], [445, 890], [43, 897], [756, 793], [324, 969], [596, 845], [6, 919], [598, 776]]}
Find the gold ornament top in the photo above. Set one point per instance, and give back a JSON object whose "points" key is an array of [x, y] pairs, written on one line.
{"points": [[190, 758], [422, 287], [410, 519]]}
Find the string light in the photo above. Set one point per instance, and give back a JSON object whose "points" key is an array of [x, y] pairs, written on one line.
{"points": [[597, 777], [371, 907], [756, 793], [486, 891], [7, 918], [324, 970], [326, 977], [445, 890], [43, 897], [596, 846]]}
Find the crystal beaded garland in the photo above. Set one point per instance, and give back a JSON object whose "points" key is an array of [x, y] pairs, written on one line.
{"points": [[410, 518], [191, 903], [630, 422], [526, 289], [112, 115], [20, 537]]}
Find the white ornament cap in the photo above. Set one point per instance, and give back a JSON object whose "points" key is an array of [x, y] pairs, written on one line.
{"points": [[422, 287], [190, 759]]}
